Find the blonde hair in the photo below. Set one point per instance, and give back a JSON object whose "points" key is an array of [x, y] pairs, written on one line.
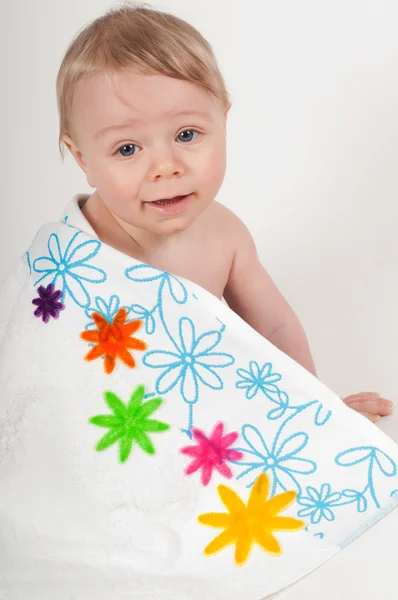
{"points": [[145, 39]]}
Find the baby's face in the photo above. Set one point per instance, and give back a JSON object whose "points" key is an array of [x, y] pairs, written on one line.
{"points": [[142, 139]]}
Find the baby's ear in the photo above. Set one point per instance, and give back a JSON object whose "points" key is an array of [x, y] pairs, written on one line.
{"points": [[74, 150], [226, 111]]}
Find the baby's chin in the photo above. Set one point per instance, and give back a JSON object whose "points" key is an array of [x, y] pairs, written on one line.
{"points": [[170, 225], [142, 227]]}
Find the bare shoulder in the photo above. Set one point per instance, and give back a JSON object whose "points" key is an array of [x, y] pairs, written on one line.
{"points": [[225, 215], [215, 242], [228, 227]]}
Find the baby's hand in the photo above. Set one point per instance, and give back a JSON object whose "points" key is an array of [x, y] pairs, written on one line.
{"points": [[369, 404]]}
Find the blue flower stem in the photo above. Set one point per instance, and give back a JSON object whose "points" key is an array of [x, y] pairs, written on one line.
{"points": [[346, 502], [222, 328], [370, 480], [190, 417], [161, 315], [281, 428], [155, 308], [28, 261], [297, 410], [188, 431]]}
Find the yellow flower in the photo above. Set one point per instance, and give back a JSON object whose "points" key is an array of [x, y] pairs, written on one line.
{"points": [[245, 525]]}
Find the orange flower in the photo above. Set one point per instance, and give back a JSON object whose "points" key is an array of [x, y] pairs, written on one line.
{"points": [[112, 340]]}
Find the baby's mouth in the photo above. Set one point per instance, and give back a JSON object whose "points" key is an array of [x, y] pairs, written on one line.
{"points": [[169, 201], [171, 206]]}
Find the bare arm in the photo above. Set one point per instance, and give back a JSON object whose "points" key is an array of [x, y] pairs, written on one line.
{"points": [[252, 294]]}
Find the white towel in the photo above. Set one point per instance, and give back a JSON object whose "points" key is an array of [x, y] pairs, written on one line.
{"points": [[141, 419]]}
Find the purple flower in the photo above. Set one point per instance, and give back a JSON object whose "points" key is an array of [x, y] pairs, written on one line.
{"points": [[48, 304]]}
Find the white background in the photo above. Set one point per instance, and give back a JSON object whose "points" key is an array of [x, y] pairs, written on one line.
{"points": [[312, 155]]}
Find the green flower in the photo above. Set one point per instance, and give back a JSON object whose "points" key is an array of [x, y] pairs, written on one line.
{"points": [[129, 423]]}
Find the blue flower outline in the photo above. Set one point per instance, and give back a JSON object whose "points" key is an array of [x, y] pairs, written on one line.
{"points": [[108, 310], [317, 503], [71, 267], [262, 379], [258, 379], [191, 364], [272, 459], [184, 363], [374, 456], [146, 273]]}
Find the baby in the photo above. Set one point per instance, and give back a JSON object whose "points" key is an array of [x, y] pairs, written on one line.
{"points": [[143, 110], [135, 405]]}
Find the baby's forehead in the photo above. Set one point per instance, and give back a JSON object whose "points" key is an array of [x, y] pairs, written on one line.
{"points": [[126, 94]]}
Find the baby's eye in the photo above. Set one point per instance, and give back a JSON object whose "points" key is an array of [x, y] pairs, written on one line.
{"points": [[188, 134], [127, 148]]}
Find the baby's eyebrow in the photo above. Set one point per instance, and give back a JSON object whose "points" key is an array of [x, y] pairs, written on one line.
{"points": [[181, 113]]}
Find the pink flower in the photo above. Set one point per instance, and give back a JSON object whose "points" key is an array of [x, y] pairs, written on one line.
{"points": [[211, 453]]}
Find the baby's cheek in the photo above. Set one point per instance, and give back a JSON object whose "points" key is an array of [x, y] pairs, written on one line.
{"points": [[117, 187], [211, 170]]}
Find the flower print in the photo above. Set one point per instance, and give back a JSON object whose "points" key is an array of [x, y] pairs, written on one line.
{"points": [[258, 379], [355, 456], [211, 453], [148, 273], [70, 267], [317, 504], [145, 315], [192, 364], [27, 254], [251, 523], [48, 304], [129, 423], [108, 310], [375, 460], [113, 340], [282, 459]]}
